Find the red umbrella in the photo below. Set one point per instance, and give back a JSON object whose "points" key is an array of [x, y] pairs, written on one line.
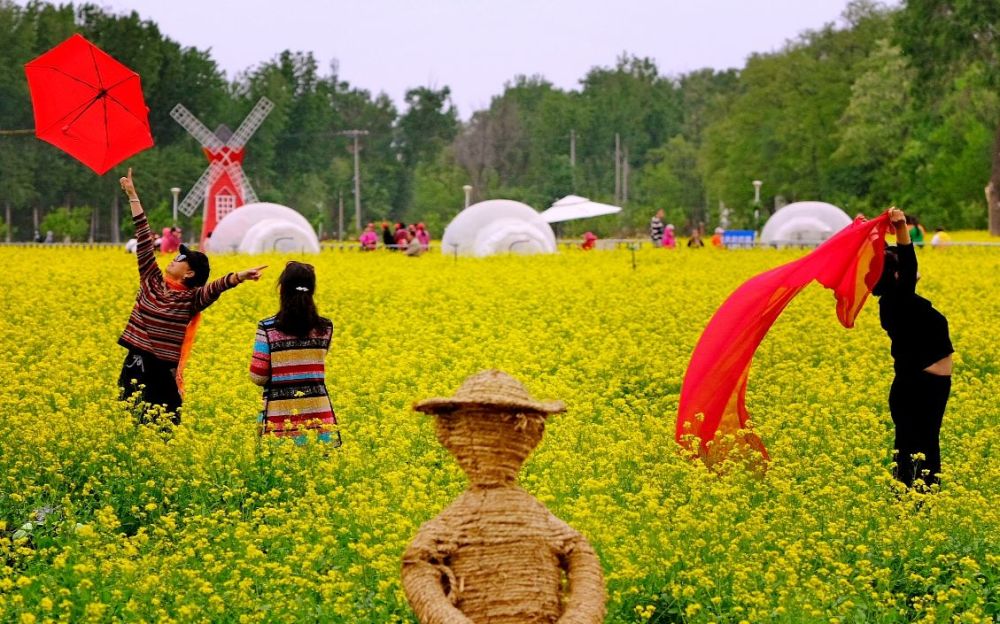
{"points": [[88, 104]]}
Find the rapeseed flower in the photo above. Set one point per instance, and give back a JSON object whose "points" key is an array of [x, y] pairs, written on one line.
{"points": [[206, 522]]}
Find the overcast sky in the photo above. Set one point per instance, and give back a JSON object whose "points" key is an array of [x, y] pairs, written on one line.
{"points": [[474, 46]]}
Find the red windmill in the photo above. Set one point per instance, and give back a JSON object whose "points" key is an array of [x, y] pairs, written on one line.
{"points": [[223, 186]]}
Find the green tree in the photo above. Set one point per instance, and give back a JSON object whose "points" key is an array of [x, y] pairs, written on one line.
{"points": [[948, 154], [942, 38], [782, 126], [429, 123], [66, 222], [670, 181], [437, 192], [874, 127]]}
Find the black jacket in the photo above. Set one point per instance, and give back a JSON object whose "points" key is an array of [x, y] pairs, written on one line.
{"points": [[918, 332]]}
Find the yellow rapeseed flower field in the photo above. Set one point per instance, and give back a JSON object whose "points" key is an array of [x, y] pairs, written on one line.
{"points": [[101, 520]]}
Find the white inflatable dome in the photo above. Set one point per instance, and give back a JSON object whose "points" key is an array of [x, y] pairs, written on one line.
{"points": [[808, 222], [278, 235], [230, 233], [498, 226]]}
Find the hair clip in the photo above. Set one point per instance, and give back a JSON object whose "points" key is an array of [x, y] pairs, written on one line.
{"points": [[301, 289]]}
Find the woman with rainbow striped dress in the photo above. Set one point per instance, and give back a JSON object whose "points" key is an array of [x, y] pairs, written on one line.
{"points": [[288, 361]]}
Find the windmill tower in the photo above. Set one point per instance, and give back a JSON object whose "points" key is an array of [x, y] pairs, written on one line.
{"points": [[222, 186]]}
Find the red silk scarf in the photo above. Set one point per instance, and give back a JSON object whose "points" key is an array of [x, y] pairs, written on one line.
{"points": [[713, 395]]}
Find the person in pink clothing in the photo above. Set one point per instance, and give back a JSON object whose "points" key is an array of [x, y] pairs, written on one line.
{"points": [[170, 242], [669, 239], [423, 236], [369, 239]]}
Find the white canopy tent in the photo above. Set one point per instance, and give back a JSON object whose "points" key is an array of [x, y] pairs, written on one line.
{"points": [[263, 227], [575, 207], [804, 223], [498, 226]]}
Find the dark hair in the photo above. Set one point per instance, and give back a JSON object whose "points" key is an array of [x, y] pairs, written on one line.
{"points": [[197, 262], [298, 315], [889, 267]]}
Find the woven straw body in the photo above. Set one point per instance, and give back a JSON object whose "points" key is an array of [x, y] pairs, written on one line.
{"points": [[497, 554]]}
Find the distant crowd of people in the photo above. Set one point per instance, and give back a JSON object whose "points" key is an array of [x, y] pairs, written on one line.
{"points": [[413, 239], [664, 235]]}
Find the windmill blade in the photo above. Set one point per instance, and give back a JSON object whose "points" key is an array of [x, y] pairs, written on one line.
{"points": [[196, 195], [197, 129], [256, 117], [235, 172]]}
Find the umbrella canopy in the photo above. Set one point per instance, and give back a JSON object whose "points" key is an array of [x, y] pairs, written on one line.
{"points": [[88, 104], [576, 207]]}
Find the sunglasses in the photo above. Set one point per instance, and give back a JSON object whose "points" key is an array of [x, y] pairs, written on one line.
{"points": [[180, 258]]}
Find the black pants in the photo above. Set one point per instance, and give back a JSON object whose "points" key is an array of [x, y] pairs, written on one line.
{"points": [[152, 377], [916, 402]]}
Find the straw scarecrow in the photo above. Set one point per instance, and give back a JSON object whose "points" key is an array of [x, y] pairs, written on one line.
{"points": [[496, 554]]}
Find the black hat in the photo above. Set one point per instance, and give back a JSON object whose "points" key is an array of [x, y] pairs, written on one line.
{"points": [[198, 263]]}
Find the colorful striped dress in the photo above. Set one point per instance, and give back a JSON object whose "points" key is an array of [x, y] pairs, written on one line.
{"points": [[293, 374]]}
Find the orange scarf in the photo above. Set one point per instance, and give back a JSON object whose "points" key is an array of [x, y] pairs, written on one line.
{"points": [[189, 334]]}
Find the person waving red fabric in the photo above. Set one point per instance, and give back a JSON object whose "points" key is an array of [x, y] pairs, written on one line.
{"points": [[713, 394]]}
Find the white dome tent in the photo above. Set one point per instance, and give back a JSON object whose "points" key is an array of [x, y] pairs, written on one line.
{"points": [[804, 223], [278, 235], [262, 227], [498, 226]]}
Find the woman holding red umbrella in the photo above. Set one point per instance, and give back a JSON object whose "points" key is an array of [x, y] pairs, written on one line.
{"points": [[161, 329]]}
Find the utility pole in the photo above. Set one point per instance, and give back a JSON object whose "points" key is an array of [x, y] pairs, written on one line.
{"points": [[756, 203], [618, 168], [319, 213], [572, 158], [356, 134], [340, 216], [115, 222], [625, 177]]}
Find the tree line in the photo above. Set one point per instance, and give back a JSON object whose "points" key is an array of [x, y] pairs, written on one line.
{"points": [[886, 106]]}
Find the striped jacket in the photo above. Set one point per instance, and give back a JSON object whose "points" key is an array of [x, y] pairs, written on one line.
{"points": [[293, 374], [160, 315]]}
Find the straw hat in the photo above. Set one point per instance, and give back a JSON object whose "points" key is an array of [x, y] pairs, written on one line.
{"points": [[490, 388]]}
